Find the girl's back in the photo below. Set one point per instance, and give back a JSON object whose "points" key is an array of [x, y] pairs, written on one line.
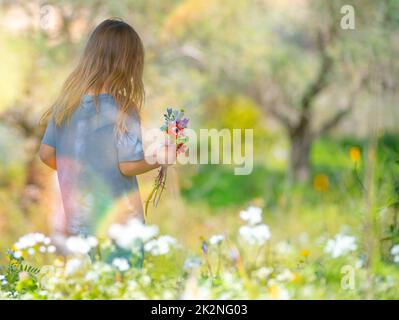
{"points": [[88, 154]]}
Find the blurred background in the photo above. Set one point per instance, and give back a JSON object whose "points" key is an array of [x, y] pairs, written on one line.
{"points": [[322, 102]]}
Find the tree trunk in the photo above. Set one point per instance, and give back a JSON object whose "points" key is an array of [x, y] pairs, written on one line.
{"points": [[301, 143]]}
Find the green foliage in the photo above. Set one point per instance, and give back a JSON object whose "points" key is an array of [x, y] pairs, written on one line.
{"points": [[19, 277], [211, 182], [16, 64]]}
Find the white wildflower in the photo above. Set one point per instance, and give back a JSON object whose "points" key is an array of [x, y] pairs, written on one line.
{"points": [[80, 245], [160, 246], [167, 295], [102, 268], [146, 280], [92, 241], [252, 215], [284, 248], [132, 284], [91, 276], [42, 249], [395, 253], [192, 263], [340, 245], [72, 266], [285, 275], [227, 278], [216, 239], [39, 237], [31, 251], [195, 291], [29, 240], [17, 254], [395, 250], [126, 236], [2, 277], [121, 264], [51, 249], [263, 272], [255, 235]]}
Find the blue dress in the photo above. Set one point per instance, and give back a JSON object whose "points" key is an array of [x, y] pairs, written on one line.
{"points": [[87, 155]]}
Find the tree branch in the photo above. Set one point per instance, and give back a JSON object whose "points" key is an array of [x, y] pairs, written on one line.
{"points": [[319, 83], [341, 114], [332, 122], [268, 97], [321, 80], [280, 116]]}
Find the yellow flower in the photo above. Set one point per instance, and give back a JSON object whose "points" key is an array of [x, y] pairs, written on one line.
{"points": [[278, 292], [305, 253], [274, 291], [297, 278], [118, 277], [354, 154], [321, 183], [59, 261]]}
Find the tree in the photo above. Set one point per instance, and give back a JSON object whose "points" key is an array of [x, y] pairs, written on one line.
{"points": [[298, 116], [288, 58], [298, 120]]}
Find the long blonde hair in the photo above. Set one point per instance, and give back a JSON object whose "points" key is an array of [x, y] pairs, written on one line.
{"points": [[113, 59]]}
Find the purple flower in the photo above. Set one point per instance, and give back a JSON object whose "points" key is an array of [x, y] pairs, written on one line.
{"points": [[183, 123], [204, 247], [234, 254]]}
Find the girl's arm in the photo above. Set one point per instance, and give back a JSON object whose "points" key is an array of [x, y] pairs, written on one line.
{"points": [[47, 155], [134, 168]]}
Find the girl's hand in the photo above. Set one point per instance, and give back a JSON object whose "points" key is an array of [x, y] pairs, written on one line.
{"points": [[167, 155]]}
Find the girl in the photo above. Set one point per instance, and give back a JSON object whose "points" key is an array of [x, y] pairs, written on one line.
{"points": [[93, 136]]}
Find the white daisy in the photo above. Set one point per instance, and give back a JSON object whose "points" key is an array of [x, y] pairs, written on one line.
{"points": [[216, 239], [340, 245], [252, 215], [121, 264], [255, 235]]}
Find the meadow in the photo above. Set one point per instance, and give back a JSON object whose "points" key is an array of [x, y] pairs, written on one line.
{"points": [[271, 241], [317, 218]]}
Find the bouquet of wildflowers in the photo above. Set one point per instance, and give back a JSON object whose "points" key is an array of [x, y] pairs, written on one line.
{"points": [[173, 128]]}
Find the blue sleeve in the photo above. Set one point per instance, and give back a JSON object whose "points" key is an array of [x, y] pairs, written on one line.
{"points": [[49, 134], [129, 144]]}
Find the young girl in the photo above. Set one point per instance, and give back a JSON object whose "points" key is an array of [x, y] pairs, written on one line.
{"points": [[93, 136]]}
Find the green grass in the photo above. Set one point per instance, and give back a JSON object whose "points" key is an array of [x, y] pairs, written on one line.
{"points": [[219, 187]]}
